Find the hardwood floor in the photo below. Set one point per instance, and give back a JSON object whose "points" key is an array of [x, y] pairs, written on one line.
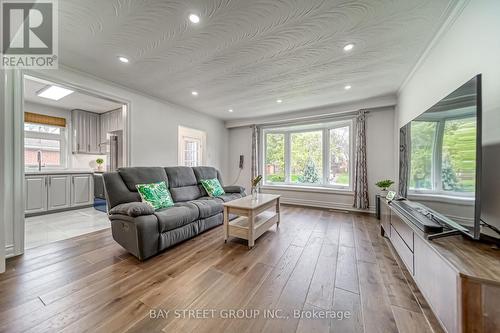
{"points": [[319, 262]]}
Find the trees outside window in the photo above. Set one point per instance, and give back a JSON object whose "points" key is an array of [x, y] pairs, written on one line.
{"points": [[443, 155], [316, 155]]}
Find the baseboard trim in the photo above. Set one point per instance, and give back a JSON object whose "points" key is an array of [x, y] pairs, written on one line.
{"points": [[325, 204], [9, 251]]}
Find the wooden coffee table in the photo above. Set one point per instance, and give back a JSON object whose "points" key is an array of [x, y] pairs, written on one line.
{"points": [[254, 217]]}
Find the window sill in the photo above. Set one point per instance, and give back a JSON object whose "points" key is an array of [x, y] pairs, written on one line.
{"points": [[313, 189], [462, 201]]}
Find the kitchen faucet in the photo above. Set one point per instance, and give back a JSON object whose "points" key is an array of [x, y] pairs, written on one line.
{"points": [[39, 159]]}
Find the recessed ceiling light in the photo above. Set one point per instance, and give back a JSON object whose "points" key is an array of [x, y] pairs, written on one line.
{"points": [[54, 92], [348, 47], [194, 18], [347, 87], [194, 93], [279, 101], [230, 110], [123, 59]]}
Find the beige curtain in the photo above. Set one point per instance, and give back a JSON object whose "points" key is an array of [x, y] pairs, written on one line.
{"points": [[361, 200], [255, 151]]}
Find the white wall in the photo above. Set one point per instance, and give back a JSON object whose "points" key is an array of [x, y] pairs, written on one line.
{"points": [[380, 161], [154, 123], [469, 46]]}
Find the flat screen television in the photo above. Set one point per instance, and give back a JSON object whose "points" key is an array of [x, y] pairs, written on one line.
{"points": [[445, 168]]}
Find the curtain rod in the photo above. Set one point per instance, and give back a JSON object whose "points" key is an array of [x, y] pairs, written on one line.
{"points": [[309, 119]]}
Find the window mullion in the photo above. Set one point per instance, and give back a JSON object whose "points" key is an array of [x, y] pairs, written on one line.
{"points": [[437, 156], [288, 166], [326, 155]]}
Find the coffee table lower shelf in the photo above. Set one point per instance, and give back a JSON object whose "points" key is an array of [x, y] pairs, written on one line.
{"points": [[262, 222]]}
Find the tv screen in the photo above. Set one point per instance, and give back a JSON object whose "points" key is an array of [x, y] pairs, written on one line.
{"points": [[440, 164]]}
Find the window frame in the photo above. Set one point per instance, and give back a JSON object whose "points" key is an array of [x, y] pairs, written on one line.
{"points": [[191, 134], [436, 168], [287, 131], [63, 144]]}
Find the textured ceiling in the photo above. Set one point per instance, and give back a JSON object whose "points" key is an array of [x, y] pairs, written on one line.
{"points": [[76, 100], [246, 54]]}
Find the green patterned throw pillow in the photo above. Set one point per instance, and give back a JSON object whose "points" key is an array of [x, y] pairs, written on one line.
{"points": [[155, 194], [213, 187]]}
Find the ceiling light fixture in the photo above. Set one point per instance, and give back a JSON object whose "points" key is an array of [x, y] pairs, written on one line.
{"points": [[348, 47], [123, 59], [194, 18], [230, 110], [347, 87], [54, 92], [194, 93], [279, 101]]}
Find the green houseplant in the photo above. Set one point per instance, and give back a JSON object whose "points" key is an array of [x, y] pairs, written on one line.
{"points": [[99, 162], [384, 184]]}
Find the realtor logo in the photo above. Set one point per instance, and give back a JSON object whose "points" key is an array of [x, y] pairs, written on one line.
{"points": [[29, 34]]}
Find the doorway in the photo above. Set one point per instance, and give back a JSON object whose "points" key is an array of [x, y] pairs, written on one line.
{"points": [[71, 136]]}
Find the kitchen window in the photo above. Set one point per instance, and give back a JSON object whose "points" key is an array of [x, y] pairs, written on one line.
{"points": [[316, 155], [49, 140]]}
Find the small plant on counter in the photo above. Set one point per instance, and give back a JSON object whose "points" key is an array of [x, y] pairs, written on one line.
{"points": [[384, 184], [99, 162]]}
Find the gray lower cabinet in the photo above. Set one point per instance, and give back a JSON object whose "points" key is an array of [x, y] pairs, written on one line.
{"points": [[82, 190], [45, 193], [35, 189], [59, 188]]}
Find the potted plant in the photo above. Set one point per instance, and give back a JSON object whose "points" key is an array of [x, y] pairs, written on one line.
{"points": [[255, 186], [99, 162], [384, 185]]}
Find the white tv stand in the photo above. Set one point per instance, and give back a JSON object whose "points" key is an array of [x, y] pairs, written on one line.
{"points": [[458, 277]]}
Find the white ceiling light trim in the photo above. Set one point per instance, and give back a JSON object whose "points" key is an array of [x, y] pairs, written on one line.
{"points": [[348, 47], [230, 110], [194, 18], [347, 87], [123, 59], [194, 93], [54, 92], [279, 101]]}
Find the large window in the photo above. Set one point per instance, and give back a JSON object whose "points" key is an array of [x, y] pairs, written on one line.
{"points": [[315, 155], [443, 156], [45, 142]]}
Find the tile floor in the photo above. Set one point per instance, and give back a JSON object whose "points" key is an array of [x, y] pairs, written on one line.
{"points": [[44, 229]]}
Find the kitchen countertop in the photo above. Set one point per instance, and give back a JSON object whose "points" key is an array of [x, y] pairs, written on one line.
{"points": [[58, 172]]}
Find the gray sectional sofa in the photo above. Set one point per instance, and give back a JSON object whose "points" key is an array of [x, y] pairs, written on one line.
{"points": [[145, 232]]}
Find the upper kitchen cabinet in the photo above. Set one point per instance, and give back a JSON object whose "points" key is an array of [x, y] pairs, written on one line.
{"points": [[110, 122], [86, 132]]}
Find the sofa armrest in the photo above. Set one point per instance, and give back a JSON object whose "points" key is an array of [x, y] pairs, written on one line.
{"points": [[132, 209], [234, 189]]}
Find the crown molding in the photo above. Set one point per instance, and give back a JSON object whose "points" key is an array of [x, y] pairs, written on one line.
{"points": [[453, 12]]}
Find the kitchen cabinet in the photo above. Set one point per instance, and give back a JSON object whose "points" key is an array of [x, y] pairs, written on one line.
{"points": [[35, 189], [58, 192], [82, 190], [110, 122], [86, 132]]}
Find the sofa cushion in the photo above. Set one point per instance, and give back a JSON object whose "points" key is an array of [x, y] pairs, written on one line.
{"points": [[204, 172], [208, 208], [155, 194], [177, 216], [212, 187], [117, 191], [142, 175], [183, 184]]}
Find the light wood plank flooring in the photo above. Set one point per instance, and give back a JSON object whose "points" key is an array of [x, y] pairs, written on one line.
{"points": [[317, 261]]}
